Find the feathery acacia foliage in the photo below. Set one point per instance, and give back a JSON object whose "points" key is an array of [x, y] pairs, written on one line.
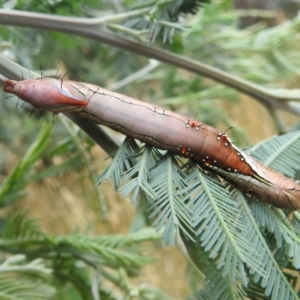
{"points": [[73, 258], [230, 227]]}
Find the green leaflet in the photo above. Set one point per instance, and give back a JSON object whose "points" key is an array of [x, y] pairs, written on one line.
{"points": [[12, 188], [280, 153], [23, 280]]}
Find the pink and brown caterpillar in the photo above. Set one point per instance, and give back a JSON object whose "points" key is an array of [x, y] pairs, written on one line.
{"points": [[163, 129]]}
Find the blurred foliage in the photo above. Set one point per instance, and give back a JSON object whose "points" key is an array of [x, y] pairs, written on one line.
{"points": [[51, 7], [83, 261], [235, 246], [272, 50], [81, 264]]}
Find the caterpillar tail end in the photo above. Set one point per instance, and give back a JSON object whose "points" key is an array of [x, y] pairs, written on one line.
{"points": [[9, 86], [61, 99], [44, 94]]}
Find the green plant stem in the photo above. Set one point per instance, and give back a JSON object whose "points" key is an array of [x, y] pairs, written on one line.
{"points": [[95, 29]]}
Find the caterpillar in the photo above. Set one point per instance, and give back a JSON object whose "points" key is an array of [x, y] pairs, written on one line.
{"points": [[163, 129]]}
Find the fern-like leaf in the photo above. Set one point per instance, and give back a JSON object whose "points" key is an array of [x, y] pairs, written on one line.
{"points": [[167, 208], [280, 153], [276, 223], [276, 284], [13, 186], [221, 228], [234, 230], [18, 226], [136, 178], [17, 282], [120, 163]]}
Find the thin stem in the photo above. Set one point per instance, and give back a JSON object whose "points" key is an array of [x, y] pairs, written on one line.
{"points": [[123, 29], [95, 29], [123, 16], [279, 122], [153, 64]]}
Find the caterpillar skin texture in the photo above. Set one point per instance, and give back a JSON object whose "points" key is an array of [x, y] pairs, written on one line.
{"points": [[163, 129]]}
